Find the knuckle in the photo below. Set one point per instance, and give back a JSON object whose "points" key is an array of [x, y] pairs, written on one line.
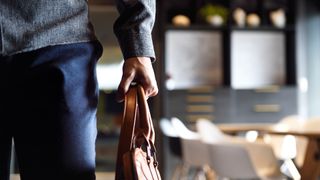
{"points": [[155, 91]]}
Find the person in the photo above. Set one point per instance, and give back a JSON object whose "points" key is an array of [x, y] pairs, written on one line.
{"points": [[49, 93]]}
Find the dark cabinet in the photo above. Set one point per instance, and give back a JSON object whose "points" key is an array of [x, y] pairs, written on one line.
{"points": [[226, 105], [232, 62]]}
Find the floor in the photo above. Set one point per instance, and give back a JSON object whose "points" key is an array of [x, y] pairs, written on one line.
{"points": [[100, 176]]}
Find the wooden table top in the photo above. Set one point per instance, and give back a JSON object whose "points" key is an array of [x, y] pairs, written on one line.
{"points": [[233, 128]]}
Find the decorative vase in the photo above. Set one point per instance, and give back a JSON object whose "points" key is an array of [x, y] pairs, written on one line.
{"points": [[253, 20], [181, 20], [215, 20], [239, 16], [278, 18]]}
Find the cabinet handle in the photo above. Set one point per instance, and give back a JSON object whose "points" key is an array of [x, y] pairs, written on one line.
{"points": [[200, 108], [268, 89], [200, 99], [263, 108]]}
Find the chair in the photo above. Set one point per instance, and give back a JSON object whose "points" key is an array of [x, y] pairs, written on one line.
{"points": [[174, 144], [236, 158], [288, 146], [174, 140], [194, 152], [182, 130]]}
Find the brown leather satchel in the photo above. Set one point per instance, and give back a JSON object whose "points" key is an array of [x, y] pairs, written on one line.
{"points": [[136, 159]]}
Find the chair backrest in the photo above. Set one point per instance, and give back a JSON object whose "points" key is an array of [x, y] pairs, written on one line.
{"points": [[182, 130], [167, 128], [227, 159], [263, 159], [209, 132], [234, 157], [174, 140], [194, 151], [288, 146], [231, 161]]}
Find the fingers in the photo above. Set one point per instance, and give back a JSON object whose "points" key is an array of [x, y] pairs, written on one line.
{"points": [[150, 88], [146, 77], [139, 70], [124, 85]]}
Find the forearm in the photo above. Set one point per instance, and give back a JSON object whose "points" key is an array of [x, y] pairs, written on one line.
{"points": [[134, 26]]}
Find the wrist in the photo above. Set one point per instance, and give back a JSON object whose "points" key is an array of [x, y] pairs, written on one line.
{"points": [[143, 60]]}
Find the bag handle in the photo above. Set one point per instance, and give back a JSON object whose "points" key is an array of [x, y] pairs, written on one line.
{"points": [[136, 120], [144, 115]]}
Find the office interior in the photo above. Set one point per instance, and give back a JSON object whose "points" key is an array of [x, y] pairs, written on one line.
{"points": [[239, 89]]}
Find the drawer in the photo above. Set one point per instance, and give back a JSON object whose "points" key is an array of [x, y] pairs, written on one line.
{"points": [[252, 106], [191, 105], [223, 105], [268, 96]]}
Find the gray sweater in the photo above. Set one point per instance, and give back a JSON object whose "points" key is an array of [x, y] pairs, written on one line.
{"points": [[27, 25]]}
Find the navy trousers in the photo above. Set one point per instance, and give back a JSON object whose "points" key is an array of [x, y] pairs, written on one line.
{"points": [[48, 102]]}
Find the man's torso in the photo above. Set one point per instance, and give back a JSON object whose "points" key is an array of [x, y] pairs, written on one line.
{"points": [[32, 24]]}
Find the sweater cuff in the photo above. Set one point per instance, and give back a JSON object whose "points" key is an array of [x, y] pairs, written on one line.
{"points": [[136, 45]]}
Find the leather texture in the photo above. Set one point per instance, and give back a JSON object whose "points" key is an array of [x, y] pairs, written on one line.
{"points": [[136, 159]]}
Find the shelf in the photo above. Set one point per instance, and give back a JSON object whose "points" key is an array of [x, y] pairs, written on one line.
{"points": [[225, 28], [196, 27], [262, 28]]}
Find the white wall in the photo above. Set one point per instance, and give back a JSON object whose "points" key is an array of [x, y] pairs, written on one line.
{"points": [[308, 58]]}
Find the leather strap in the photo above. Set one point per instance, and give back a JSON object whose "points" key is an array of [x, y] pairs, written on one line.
{"points": [[144, 115], [136, 120]]}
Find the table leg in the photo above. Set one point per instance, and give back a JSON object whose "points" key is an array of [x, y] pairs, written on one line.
{"points": [[311, 163]]}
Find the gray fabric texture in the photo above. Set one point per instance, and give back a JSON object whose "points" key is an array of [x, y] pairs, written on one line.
{"points": [[27, 25]]}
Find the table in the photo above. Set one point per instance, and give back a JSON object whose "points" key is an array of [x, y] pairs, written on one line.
{"points": [[311, 165]]}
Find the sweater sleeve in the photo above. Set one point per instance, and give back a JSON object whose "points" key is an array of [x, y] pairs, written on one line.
{"points": [[134, 26]]}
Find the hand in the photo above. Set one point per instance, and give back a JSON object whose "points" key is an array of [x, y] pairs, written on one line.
{"points": [[139, 70]]}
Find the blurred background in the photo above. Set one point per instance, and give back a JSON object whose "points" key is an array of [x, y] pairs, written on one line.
{"points": [[229, 62]]}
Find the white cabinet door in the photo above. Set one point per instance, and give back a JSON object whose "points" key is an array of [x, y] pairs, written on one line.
{"points": [[257, 59], [193, 58]]}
